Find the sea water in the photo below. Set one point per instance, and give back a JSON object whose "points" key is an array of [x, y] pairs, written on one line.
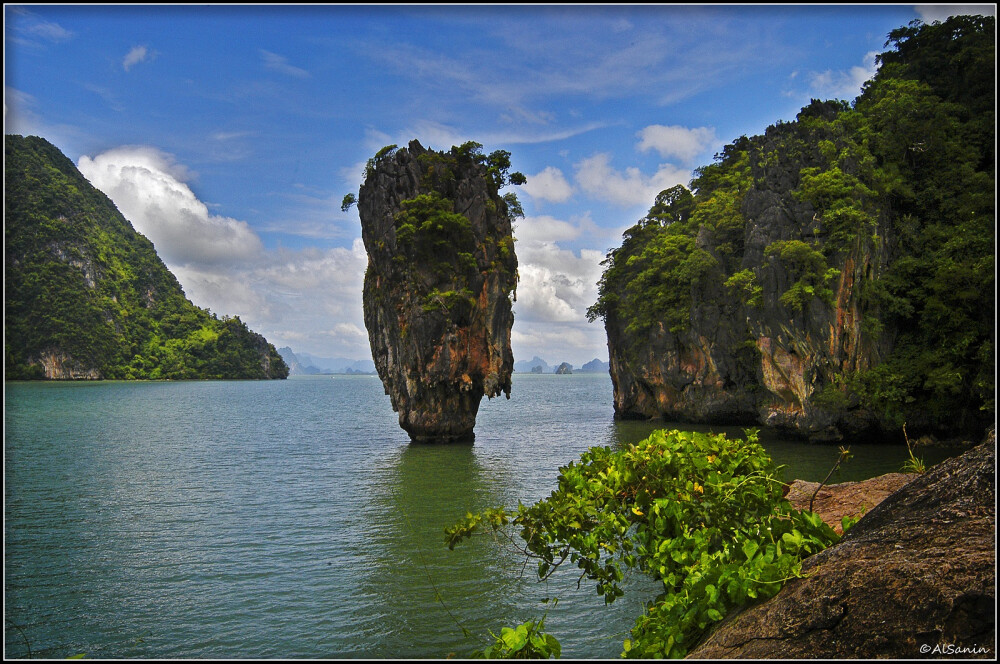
{"points": [[294, 519]]}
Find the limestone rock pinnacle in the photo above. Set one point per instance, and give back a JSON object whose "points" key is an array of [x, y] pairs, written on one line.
{"points": [[441, 276]]}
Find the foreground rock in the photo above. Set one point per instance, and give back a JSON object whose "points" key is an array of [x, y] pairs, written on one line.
{"points": [[915, 577], [437, 295], [853, 499]]}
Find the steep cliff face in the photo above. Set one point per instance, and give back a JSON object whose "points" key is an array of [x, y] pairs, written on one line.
{"points": [[830, 277], [86, 297], [438, 288], [745, 352]]}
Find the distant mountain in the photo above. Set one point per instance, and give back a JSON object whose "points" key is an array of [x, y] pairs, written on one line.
{"points": [[295, 366], [565, 369], [595, 366], [526, 366], [86, 296], [304, 364]]}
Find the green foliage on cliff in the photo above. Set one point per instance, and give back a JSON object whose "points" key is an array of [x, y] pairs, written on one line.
{"points": [[436, 243], [703, 514], [901, 179], [807, 265], [84, 287]]}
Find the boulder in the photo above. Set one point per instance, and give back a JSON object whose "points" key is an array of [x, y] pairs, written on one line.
{"points": [[853, 499], [915, 577]]}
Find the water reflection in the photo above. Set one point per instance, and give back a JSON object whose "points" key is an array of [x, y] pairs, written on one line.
{"points": [[430, 599]]}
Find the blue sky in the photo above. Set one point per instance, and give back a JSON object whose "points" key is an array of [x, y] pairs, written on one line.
{"points": [[228, 135]]}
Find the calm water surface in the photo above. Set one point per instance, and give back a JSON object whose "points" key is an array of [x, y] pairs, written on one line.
{"points": [[293, 519]]}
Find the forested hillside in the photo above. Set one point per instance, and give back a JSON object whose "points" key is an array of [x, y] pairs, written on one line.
{"points": [[834, 275], [87, 297]]}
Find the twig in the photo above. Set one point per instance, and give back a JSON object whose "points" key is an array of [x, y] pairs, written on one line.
{"points": [[844, 454]]}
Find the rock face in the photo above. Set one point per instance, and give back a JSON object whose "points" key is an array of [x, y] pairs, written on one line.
{"points": [[763, 362], [854, 499], [916, 577], [816, 278], [438, 288]]}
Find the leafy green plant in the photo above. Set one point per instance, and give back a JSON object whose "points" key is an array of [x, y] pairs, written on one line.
{"points": [[702, 513], [913, 464], [808, 267], [526, 641]]}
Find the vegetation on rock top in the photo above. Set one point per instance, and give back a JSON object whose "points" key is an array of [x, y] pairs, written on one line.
{"points": [[901, 181], [83, 287]]}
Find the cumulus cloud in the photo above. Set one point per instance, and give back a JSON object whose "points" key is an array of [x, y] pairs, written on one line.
{"points": [[549, 185], [135, 56], [310, 299], [557, 284], [149, 188], [543, 229], [844, 85], [279, 63], [556, 287], [596, 176], [675, 141]]}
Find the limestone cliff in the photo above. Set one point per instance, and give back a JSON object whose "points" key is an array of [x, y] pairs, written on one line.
{"points": [[833, 276], [438, 288], [87, 297], [745, 352]]}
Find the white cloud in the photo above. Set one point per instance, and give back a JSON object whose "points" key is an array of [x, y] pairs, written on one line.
{"points": [[556, 287], [931, 13], [556, 284], [149, 188], [135, 56], [844, 85], [549, 185], [29, 26], [534, 230], [310, 298], [279, 63], [596, 177], [675, 141]]}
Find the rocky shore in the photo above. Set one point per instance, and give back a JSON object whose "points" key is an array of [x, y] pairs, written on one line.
{"points": [[914, 578]]}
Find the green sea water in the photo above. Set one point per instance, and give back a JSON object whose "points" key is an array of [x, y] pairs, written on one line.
{"points": [[293, 519]]}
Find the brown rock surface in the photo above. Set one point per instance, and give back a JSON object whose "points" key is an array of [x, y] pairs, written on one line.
{"points": [[916, 577], [854, 499], [437, 294]]}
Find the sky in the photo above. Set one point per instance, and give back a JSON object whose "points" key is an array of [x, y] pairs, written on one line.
{"points": [[228, 135]]}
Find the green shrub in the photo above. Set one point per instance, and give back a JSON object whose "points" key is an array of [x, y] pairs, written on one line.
{"points": [[702, 513]]}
